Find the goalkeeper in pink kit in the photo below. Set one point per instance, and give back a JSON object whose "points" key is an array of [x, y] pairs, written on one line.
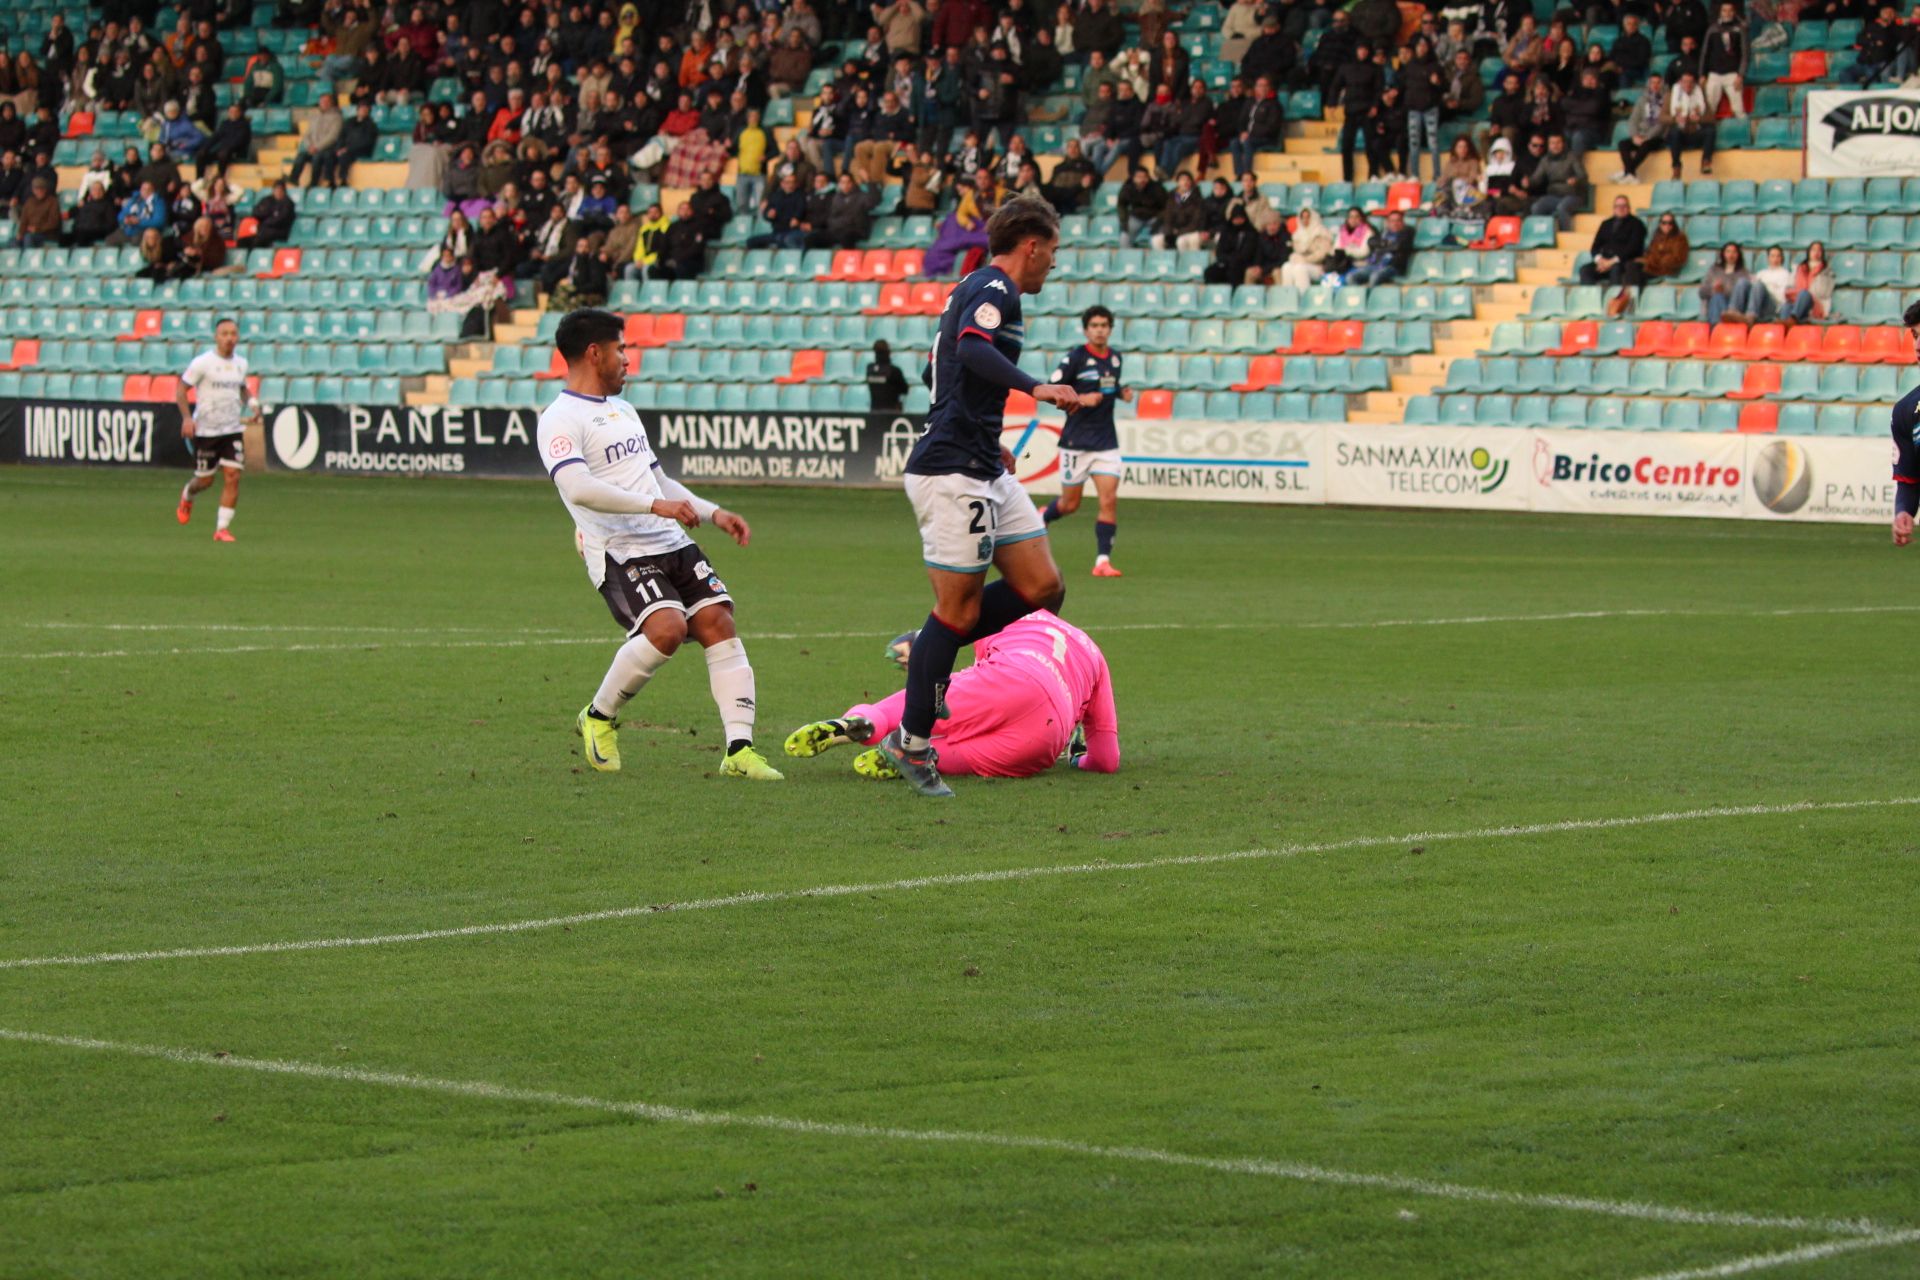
{"points": [[1037, 688]]}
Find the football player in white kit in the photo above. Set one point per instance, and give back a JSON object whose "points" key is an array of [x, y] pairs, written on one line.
{"points": [[631, 519], [214, 428]]}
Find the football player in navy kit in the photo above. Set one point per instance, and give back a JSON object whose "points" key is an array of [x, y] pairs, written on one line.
{"points": [[1906, 449], [1089, 445], [972, 512]]}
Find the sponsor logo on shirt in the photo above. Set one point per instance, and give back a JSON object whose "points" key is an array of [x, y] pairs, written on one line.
{"points": [[632, 446]]}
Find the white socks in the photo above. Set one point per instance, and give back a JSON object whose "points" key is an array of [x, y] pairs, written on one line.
{"points": [[632, 667], [186, 492], [731, 677], [226, 517]]}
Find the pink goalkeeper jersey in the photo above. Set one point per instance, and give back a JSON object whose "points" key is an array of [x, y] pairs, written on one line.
{"points": [[1014, 709]]}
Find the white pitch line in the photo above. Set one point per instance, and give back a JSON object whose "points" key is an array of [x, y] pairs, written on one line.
{"points": [[1788, 1257], [535, 639], [278, 628], [1007, 1141], [1005, 875]]}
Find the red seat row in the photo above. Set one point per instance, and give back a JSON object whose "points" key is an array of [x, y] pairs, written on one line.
{"points": [[851, 265], [1818, 344]]}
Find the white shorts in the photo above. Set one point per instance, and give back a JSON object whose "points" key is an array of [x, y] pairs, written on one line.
{"points": [[1077, 465], [964, 519]]}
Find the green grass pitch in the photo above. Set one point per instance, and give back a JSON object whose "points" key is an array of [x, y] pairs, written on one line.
{"points": [[1528, 1043]]}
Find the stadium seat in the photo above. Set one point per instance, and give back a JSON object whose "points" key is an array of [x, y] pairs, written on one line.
{"points": [[1759, 418], [26, 354], [1577, 336], [1501, 233], [1263, 374], [1764, 342], [1686, 339], [1152, 404], [1758, 382], [807, 365], [1309, 336], [1884, 344], [137, 389], [1837, 342], [1725, 342], [1806, 66], [286, 262], [556, 369]]}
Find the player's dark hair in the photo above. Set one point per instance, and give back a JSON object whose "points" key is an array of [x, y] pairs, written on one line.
{"points": [[1021, 218], [581, 329], [1912, 317], [1095, 312], [225, 320]]}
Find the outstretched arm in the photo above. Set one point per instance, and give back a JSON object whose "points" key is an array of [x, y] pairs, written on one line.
{"points": [[982, 359]]}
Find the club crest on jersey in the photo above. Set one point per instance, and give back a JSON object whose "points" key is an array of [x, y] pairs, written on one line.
{"points": [[987, 316], [561, 447]]}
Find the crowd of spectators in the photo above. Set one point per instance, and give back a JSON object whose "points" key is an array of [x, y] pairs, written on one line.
{"points": [[562, 108]]}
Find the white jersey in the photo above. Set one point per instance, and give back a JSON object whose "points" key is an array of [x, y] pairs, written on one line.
{"points": [[222, 387], [604, 434]]}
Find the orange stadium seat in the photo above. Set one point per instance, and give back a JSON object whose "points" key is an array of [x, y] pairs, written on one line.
{"points": [[1577, 336], [906, 264], [1501, 233], [807, 365], [1688, 339], [1839, 342], [930, 298], [1403, 196], [138, 388], [1021, 405], [1764, 341], [1309, 336], [1886, 344], [1802, 342], [26, 354], [1761, 380], [895, 300], [669, 328], [1649, 338], [247, 227], [146, 324], [286, 262], [79, 124], [556, 368], [163, 388], [1760, 418], [1726, 342], [1156, 404], [1806, 66], [846, 266], [1263, 374], [634, 361], [1344, 336]]}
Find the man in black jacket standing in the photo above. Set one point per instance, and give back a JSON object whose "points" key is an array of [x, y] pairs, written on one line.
{"points": [[886, 385], [1356, 88], [1617, 248]]}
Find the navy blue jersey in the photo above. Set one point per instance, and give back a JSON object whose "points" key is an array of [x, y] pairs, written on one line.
{"points": [[1906, 450], [963, 424], [1090, 430], [1906, 453]]}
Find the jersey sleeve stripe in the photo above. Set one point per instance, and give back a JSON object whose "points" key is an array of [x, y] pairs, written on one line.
{"points": [[978, 333], [555, 468]]}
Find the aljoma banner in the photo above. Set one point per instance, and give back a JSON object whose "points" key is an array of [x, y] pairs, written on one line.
{"points": [[1857, 135]]}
